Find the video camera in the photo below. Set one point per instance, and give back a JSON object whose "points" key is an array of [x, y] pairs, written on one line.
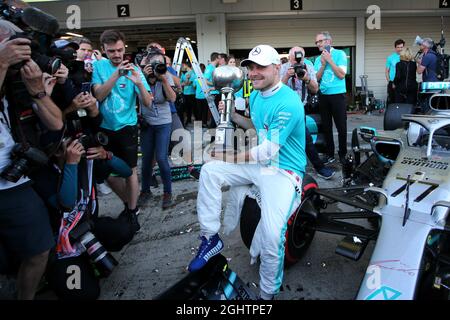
{"points": [[160, 67], [39, 28], [300, 66], [443, 60]]}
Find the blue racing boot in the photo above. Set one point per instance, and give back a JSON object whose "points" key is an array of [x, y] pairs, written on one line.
{"points": [[207, 250]]}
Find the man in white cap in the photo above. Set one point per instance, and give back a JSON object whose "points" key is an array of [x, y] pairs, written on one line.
{"points": [[276, 166]]}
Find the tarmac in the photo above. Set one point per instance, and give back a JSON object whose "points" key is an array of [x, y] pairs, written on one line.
{"points": [[160, 252]]}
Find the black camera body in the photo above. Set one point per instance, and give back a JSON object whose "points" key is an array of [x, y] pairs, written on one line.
{"points": [[93, 140], [24, 160], [159, 67], [48, 64], [299, 66]]}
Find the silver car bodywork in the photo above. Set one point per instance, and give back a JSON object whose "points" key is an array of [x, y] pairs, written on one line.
{"points": [[414, 200]]}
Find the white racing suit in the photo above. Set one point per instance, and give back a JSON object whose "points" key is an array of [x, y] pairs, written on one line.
{"points": [[280, 195]]}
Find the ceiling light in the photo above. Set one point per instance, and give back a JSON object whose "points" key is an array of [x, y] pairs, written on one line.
{"points": [[75, 34]]}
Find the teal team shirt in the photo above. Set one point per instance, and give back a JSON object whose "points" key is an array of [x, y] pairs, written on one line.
{"points": [[330, 83], [198, 88], [281, 119], [119, 107], [209, 76], [391, 62], [189, 89]]}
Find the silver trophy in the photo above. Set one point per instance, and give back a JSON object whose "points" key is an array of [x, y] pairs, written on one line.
{"points": [[228, 80]]}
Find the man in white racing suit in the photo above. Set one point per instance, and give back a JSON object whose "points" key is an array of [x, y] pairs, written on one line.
{"points": [[276, 166]]}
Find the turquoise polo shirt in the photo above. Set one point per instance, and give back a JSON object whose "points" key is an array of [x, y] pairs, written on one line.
{"points": [[280, 118], [188, 89], [391, 62], [198, 88], [209, 76], [119, 107], [330, 83]]}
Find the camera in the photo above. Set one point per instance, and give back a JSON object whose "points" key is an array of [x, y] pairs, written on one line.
{"points": [[24, 160], [46, 63], [159, 67], [93, 140], [103, 260], [299, 66], [39, 28]]}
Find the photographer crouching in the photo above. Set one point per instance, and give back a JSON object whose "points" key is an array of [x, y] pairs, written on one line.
{"points": [[25, 231]]}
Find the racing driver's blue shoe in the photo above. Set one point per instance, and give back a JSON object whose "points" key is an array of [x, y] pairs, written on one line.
{"points": [[207, 250]]}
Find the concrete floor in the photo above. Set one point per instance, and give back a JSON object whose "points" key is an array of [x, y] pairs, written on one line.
{"points": [[158, 255]]}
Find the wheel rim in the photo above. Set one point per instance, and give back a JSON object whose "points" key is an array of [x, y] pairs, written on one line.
{"points": [[301, 231]]}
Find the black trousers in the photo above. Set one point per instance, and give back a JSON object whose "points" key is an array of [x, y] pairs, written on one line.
{"points": [[390, 93], [311, 152], [334, 107], [188, 107], [203, 109], [408, 97]]}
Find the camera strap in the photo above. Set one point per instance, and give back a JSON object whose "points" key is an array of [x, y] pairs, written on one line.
{"points": [[69, 221]]}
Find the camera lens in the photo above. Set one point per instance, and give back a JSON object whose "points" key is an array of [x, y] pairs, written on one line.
{"points": [[101, 139], [15, 170], [103, 260]]}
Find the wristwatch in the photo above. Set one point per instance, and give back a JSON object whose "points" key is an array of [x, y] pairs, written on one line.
{"points": [[39, 95], [308, 81]]}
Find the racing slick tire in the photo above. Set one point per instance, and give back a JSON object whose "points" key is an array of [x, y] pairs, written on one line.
{"points": [[393, 115], [301, 227]]}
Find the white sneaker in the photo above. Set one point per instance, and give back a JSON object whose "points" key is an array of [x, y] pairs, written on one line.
{"points": [[103, 189]]}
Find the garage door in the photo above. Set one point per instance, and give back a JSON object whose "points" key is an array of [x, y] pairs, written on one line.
{"points": [[288, 32], [380, 44]]}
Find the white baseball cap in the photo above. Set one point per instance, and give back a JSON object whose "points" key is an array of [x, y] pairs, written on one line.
{"points": [[263, 55]]}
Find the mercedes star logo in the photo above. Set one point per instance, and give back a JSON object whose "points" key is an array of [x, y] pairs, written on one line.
{"points": [[256, 51]]}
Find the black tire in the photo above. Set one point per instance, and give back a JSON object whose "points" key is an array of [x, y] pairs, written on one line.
{"points": [[300, 231], [393, 115]]}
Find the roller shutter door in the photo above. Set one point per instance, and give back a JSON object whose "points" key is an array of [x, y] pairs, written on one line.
{"points": [[284, 33]]}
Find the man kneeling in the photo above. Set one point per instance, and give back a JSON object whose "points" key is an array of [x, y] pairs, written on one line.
{"points": [[276, 166]]}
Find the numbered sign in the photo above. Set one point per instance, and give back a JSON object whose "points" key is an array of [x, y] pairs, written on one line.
{"points": [[296, 4], [123, 10], [444, 4]]}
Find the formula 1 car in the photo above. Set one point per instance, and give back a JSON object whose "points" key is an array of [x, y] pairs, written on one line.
{"points": [[403, 188]]}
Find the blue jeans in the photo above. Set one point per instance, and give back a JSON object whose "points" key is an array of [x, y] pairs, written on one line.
{"points": [[155, 141]]}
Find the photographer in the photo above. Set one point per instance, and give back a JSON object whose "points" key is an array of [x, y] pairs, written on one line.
{"points": [[116, 84], [331, 68], [156, 126], [24, 225], [68, 191], [299, 75], [427, 63]]}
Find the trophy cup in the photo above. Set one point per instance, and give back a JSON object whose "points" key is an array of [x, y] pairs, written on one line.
{"points": [[228, 80]]}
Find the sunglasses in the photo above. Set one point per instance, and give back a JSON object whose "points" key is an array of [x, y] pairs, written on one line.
{"points": [[319, 41]]}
